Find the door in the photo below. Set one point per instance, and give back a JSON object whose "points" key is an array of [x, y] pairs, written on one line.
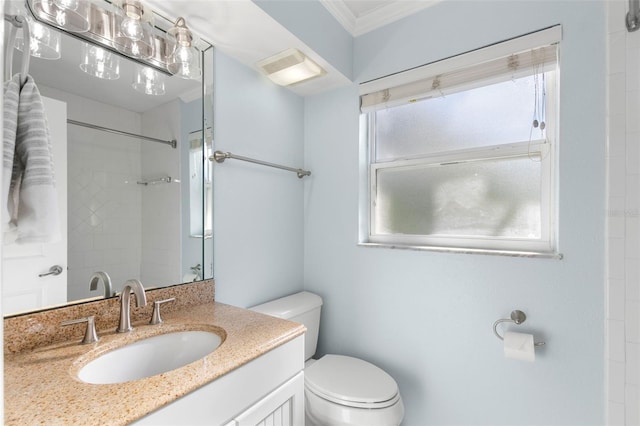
{"points": [[22, 287]]}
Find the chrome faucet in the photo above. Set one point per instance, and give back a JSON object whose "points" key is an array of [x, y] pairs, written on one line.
{"points": [[125, 310], [106, 281]]}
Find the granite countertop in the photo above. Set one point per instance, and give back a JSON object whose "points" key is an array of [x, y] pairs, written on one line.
{"points": [[41, 385]]}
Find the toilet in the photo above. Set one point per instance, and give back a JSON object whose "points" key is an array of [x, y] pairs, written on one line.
{"points": [[339, 390]]}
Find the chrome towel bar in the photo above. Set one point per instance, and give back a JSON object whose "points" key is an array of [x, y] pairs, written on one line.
{"points": [[220, 156]]}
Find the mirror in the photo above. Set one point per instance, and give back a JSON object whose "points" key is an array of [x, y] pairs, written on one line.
{"points": [[131, 207]]}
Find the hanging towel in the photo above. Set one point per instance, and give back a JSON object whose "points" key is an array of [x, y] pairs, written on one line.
{"points": [[28, 177]]}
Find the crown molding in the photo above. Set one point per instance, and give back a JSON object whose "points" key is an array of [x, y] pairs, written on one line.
{"points": [[391, 12], [342, 13]]}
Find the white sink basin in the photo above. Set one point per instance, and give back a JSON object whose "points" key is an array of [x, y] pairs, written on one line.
{"points": [[150, 356]]}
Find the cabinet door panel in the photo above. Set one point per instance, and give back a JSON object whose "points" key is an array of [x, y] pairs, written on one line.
{"points": [[282, 407]]}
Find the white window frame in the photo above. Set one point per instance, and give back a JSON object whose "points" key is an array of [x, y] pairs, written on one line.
{"points": [[544, 149]]}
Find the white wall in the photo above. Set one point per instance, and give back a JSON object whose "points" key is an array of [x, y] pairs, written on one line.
{"points": [[623, 273], [258, 223], [426, 317]]}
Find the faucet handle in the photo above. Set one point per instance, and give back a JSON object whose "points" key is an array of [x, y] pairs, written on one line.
{"points": [[155, 317], [90, 335]]}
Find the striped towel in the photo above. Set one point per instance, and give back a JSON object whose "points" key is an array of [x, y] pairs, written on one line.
{"points": [[31, 209]]}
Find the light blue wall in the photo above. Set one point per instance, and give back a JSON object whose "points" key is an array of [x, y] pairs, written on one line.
{"points": [[258, 218], [427, 317]]}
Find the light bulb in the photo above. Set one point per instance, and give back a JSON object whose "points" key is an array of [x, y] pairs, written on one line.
{"points": [[183, 54], [61, 18], [132, 28]]}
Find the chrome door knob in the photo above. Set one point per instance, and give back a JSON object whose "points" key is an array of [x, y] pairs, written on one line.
{"points": [[54, 270]]}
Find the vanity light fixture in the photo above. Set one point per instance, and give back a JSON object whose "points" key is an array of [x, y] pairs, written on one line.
{"points": [[127, 28], [99, 62], [44, 42], [148, 81], [290, 67], [133, 29], [71, 15], [184, 61]]}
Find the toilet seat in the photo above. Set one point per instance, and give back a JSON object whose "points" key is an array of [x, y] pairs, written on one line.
{"points": [[351, 382]]}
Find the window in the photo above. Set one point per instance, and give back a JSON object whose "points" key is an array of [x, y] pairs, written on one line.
{"points": [[461, 152]]}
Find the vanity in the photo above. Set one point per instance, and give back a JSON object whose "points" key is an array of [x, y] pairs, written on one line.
{"points": [[254, 375]]}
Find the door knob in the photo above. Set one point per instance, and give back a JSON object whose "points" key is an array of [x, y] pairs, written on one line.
{"points": [[54, 270]]}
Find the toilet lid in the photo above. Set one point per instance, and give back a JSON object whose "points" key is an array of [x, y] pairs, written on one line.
{"points": [[351, 381]]}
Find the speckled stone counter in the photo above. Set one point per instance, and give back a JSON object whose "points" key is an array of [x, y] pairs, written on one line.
{"points": [[41, 385]]}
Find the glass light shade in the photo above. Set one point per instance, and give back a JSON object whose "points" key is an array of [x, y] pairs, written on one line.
{"points": [[184, 61], [148, 81], [99, 62], [133, 29], [71, 15], [67, 4], [44, 43]]}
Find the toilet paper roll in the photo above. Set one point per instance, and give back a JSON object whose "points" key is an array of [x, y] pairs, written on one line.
{"points": [[519, 346], [188, 278]]}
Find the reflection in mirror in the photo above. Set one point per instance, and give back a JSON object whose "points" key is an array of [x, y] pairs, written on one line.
{"points": [[129, 205]]}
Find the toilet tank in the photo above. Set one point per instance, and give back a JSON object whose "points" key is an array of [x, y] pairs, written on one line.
{"points": [[303, 307]]}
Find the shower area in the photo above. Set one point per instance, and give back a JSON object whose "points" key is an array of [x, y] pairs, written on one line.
{"points": [[622, 289]]}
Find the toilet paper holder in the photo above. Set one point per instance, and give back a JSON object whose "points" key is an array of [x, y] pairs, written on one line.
{"points": [[517, 317]]}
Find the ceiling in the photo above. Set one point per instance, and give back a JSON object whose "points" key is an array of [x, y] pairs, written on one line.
{"points": [[361, 16], [245, 32]]}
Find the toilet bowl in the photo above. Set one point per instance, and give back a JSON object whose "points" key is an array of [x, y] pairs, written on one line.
{"points": [[339, 390]]}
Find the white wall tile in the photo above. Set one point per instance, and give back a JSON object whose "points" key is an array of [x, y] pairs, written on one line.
{"points": [[617, 94], [616, 258], [624, 238], [632, 326], [632, 279], [615, 414], [616, 10], [616, 341], [616, 299], [617, 52], [617, 177], [633, 38], [631, 405], [616, 382], [632, 363], [632, 199], [617, 135], [633, 109], [616, 225], [633, 67]]}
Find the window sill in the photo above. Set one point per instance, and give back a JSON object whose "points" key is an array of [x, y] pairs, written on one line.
{"points": [[509, 253]]}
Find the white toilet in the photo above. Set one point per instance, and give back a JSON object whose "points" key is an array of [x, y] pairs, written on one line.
{"points": [[339, 390]]}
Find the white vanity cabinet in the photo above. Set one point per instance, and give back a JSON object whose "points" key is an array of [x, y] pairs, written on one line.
{"points": [[267, 390]]}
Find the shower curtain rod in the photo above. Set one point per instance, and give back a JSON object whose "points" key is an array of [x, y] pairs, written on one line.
{"points": [[220, 156], [173, 143]]}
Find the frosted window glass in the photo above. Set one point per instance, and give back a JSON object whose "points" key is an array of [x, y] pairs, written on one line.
{"points": [[495, 198], [489, 115]]}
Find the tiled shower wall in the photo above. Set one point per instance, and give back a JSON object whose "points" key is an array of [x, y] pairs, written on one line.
{"points": [[623, 276], [104, 210], [115, 224]]}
